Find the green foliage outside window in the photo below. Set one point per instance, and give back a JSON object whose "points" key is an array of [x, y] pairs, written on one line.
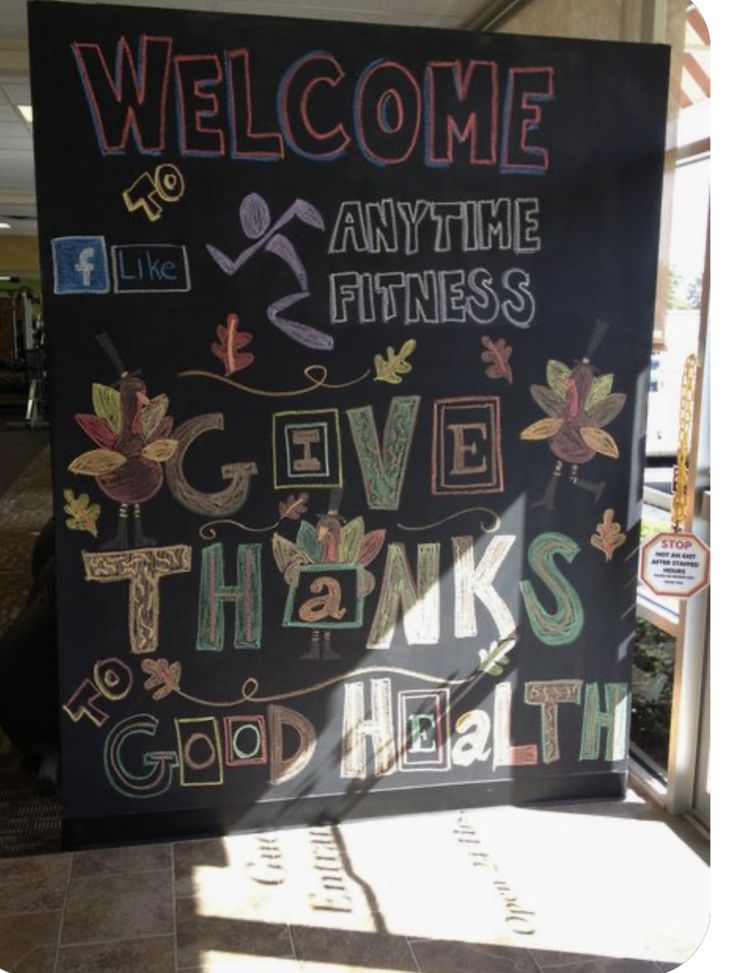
{"points": [[653, 683]]}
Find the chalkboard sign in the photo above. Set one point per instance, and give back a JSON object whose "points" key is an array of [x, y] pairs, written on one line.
{"points": [[348, 331]]}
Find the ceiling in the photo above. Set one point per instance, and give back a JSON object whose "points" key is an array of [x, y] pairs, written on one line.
{"points": [[17, 188]]}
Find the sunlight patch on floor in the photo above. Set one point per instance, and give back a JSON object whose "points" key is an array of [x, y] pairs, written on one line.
{"points": [[594, 883], [217, 961]]}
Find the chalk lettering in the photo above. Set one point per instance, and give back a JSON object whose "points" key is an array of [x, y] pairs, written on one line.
{"points": [[387, 112], [246, 595], [357, 728], [563, 626]]}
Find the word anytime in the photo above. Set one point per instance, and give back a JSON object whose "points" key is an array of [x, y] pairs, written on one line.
{"points": [[455, 296], [423, 226], [152, 101], [142, 759]]}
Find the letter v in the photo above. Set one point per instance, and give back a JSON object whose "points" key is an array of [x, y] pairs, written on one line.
{"points": [[384, 469]]}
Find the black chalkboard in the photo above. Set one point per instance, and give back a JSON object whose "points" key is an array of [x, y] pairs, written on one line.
{"points": [[349, 332]]}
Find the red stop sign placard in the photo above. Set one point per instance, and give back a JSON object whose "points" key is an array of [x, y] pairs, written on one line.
{"points": [[675, 564]]}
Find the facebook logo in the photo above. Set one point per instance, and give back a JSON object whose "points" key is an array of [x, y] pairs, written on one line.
{"points": [[80, 265]]}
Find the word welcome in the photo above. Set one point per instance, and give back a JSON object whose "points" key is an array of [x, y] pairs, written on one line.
{"points": [[152, 101]]}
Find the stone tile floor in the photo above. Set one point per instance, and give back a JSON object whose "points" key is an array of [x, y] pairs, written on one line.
{"points": [[587, 888]]}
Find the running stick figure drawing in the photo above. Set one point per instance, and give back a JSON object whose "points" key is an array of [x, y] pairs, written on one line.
{"points": [[257, 225]]}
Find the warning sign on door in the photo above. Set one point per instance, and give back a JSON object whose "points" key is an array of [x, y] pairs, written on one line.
{"points": [[675, 564]]}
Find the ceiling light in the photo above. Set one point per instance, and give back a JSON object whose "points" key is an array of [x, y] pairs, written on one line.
{"points": [[26, 111], [4, 226]]}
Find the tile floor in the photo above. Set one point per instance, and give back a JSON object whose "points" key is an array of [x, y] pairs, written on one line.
{"points": [[17, 448], [597, 888]]}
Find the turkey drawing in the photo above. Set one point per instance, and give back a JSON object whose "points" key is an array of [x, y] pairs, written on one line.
{"points": [[578, 403], [132, 434]]}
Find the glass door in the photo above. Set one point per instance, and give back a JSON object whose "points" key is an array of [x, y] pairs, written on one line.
{"points": [[670, 711]]}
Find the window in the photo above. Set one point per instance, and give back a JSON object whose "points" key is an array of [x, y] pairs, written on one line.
{"points": [[672, 646]]}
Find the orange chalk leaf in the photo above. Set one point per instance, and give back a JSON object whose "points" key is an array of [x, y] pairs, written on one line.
{"points": [[229, 345]]}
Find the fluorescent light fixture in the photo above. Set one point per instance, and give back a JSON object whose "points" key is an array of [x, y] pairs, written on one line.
{"points": [[26, 111], [4, 226]]}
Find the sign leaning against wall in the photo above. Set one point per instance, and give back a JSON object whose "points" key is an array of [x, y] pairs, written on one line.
{"points": [[348, 336]]}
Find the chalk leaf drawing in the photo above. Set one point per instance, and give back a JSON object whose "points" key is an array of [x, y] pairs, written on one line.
{"points": [[83, 515], [133, 436], [289, 557], [395, 365], [293, 507], [496, 357], [494, 659], [357, 547], [229, 344], [609, 536], [164, 677]]}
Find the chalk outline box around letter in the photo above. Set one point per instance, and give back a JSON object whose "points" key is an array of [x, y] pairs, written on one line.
{"points": [[231, 760], [438, 486], [149, 290], [326, 570], [218, 759], [334, 461], [441, 700], [290, 472]]}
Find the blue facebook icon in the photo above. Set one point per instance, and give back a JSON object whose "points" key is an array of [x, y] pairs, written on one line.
{"points": [[80, 265]]}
